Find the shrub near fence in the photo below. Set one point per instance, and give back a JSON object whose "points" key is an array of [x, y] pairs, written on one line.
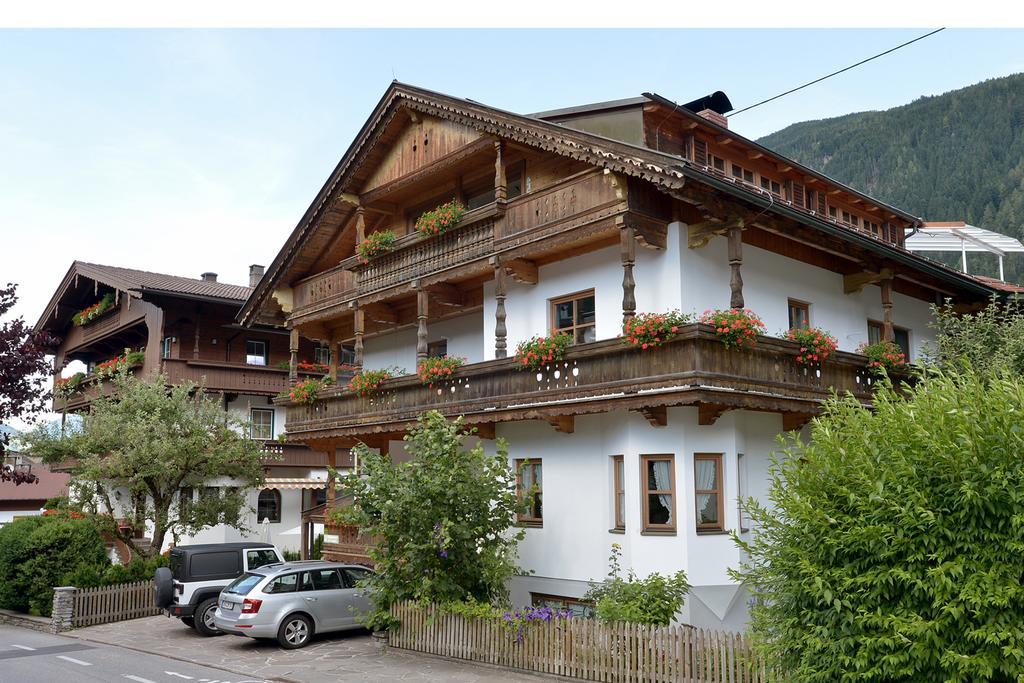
{"points": [[114, 603], [584, 648]]}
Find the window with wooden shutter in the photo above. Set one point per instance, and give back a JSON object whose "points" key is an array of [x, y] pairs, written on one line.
{"points": [[821, 203], [811, 197], [796, 192], [688, 147], [700, 152]]}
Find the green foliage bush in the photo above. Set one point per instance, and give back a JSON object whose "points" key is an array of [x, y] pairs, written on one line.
{"points": [[443, 518], [990, 340], [38, 553], [654, 600], [892, 546]]}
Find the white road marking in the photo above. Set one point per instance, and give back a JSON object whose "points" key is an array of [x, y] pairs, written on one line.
{"points": [[178, 675], [138, 679], [22, 647], [73, 660]]}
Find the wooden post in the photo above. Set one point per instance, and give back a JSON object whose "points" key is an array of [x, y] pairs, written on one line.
{"points": [[358, 320], [329, 459], [500, 330], [333, 360], [360, 225], [293, 359], [627, 249], [195, 343], [305, 532], [887, 332], [500, 181], [735, 236], [421, 330]]}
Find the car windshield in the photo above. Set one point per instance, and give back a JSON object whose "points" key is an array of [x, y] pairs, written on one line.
{"points": [[243, 584]]}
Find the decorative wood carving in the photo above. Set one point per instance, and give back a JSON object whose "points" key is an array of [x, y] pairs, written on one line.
{"points": [[627, 251], [699, 234], [856, 282], [446, 294], [358, 322], [421, 326], [735, 263], [563, 423], [522, 271], [794, 421], [500, 178], [708, 413], [888, 334], [360, 225], [293, 356], [500, 330], [656, 415], [380, 313]]}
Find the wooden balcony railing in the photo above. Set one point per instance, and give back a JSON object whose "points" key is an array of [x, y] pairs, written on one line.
{"points": [[324, 289], [693, 368], [236, 378], [352, 546], [575, 201]]}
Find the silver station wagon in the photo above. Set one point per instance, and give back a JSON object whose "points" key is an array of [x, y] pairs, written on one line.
{"points": [[290, 601]]}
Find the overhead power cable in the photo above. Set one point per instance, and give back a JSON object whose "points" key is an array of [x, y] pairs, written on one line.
{"points": [[836, 73]]}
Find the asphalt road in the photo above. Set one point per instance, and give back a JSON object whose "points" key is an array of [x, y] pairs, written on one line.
{"points": [[32, 657]]}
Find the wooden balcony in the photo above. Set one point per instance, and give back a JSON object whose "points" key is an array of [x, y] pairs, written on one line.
{"points": [[693, 369], [234, 378], [583, 208]]}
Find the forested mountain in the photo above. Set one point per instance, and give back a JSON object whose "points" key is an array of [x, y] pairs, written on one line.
{"points": [[956, 156]]}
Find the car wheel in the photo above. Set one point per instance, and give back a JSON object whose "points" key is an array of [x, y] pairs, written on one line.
{"points": [[204, 618], [189, 621], [295, 632]]}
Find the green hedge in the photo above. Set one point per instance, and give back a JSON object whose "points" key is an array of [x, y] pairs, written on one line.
{"points": [[38, 553]]}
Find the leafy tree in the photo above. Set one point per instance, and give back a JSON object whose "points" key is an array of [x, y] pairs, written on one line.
{"points": [[654, 599], [443, 519], [891, 548], [23, 371], [990, 340], [150, 441]]}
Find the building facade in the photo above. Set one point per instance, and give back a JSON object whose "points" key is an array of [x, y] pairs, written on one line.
{"points": [[184, 328], [577, 220]]}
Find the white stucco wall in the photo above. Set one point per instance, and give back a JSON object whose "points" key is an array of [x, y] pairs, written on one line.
{"points": [[398, 349], [573, 545]]}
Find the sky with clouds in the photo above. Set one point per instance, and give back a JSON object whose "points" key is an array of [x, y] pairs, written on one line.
{"points": [[191, 151]]}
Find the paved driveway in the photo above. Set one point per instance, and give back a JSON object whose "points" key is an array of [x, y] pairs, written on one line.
{"points": [[343, 657]]}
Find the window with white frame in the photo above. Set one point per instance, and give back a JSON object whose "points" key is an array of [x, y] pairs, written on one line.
{"points": [[262, 421], [255, 352]]}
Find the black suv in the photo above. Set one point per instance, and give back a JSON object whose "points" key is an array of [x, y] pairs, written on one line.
{"points": [[189, 587]]}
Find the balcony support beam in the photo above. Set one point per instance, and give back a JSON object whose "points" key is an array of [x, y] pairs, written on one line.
{"points": [[627, 251], [735, 236], [359, 325], [656, 415], [422, 303], [856, 282], [888, 334], [446, 294], [293, 356], [708, 413], [360, 225], [333, 360], [329, 462], [522, 271], [500, 176], [500, 329], [563, 423], [794, 421]]}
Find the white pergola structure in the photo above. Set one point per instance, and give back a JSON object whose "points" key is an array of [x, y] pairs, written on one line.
{"points": [[958, 236]]}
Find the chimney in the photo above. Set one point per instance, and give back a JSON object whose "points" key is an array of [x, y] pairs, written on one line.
{"points": [[209, 277], [255, 275], [714, 117]]}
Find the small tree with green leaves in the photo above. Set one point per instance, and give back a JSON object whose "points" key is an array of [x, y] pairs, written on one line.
{"points": [[989, 340], [147, 441], [891, 549], [444, 518], [654, 599]]}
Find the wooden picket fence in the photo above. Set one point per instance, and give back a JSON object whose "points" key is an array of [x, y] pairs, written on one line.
{"points": [[584, 648], [114, 603]]}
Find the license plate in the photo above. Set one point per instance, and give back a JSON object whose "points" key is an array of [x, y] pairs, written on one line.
{"points": [[227, 605]]}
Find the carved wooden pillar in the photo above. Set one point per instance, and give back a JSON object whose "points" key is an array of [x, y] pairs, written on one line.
{"points": [[333, 360], [421, 329], [329, 461], [887, 332], [359, 318], [500, 330], [293, 359], [360, 225], [500, 181], [627, 249], [735, 236], [195, 344]]}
